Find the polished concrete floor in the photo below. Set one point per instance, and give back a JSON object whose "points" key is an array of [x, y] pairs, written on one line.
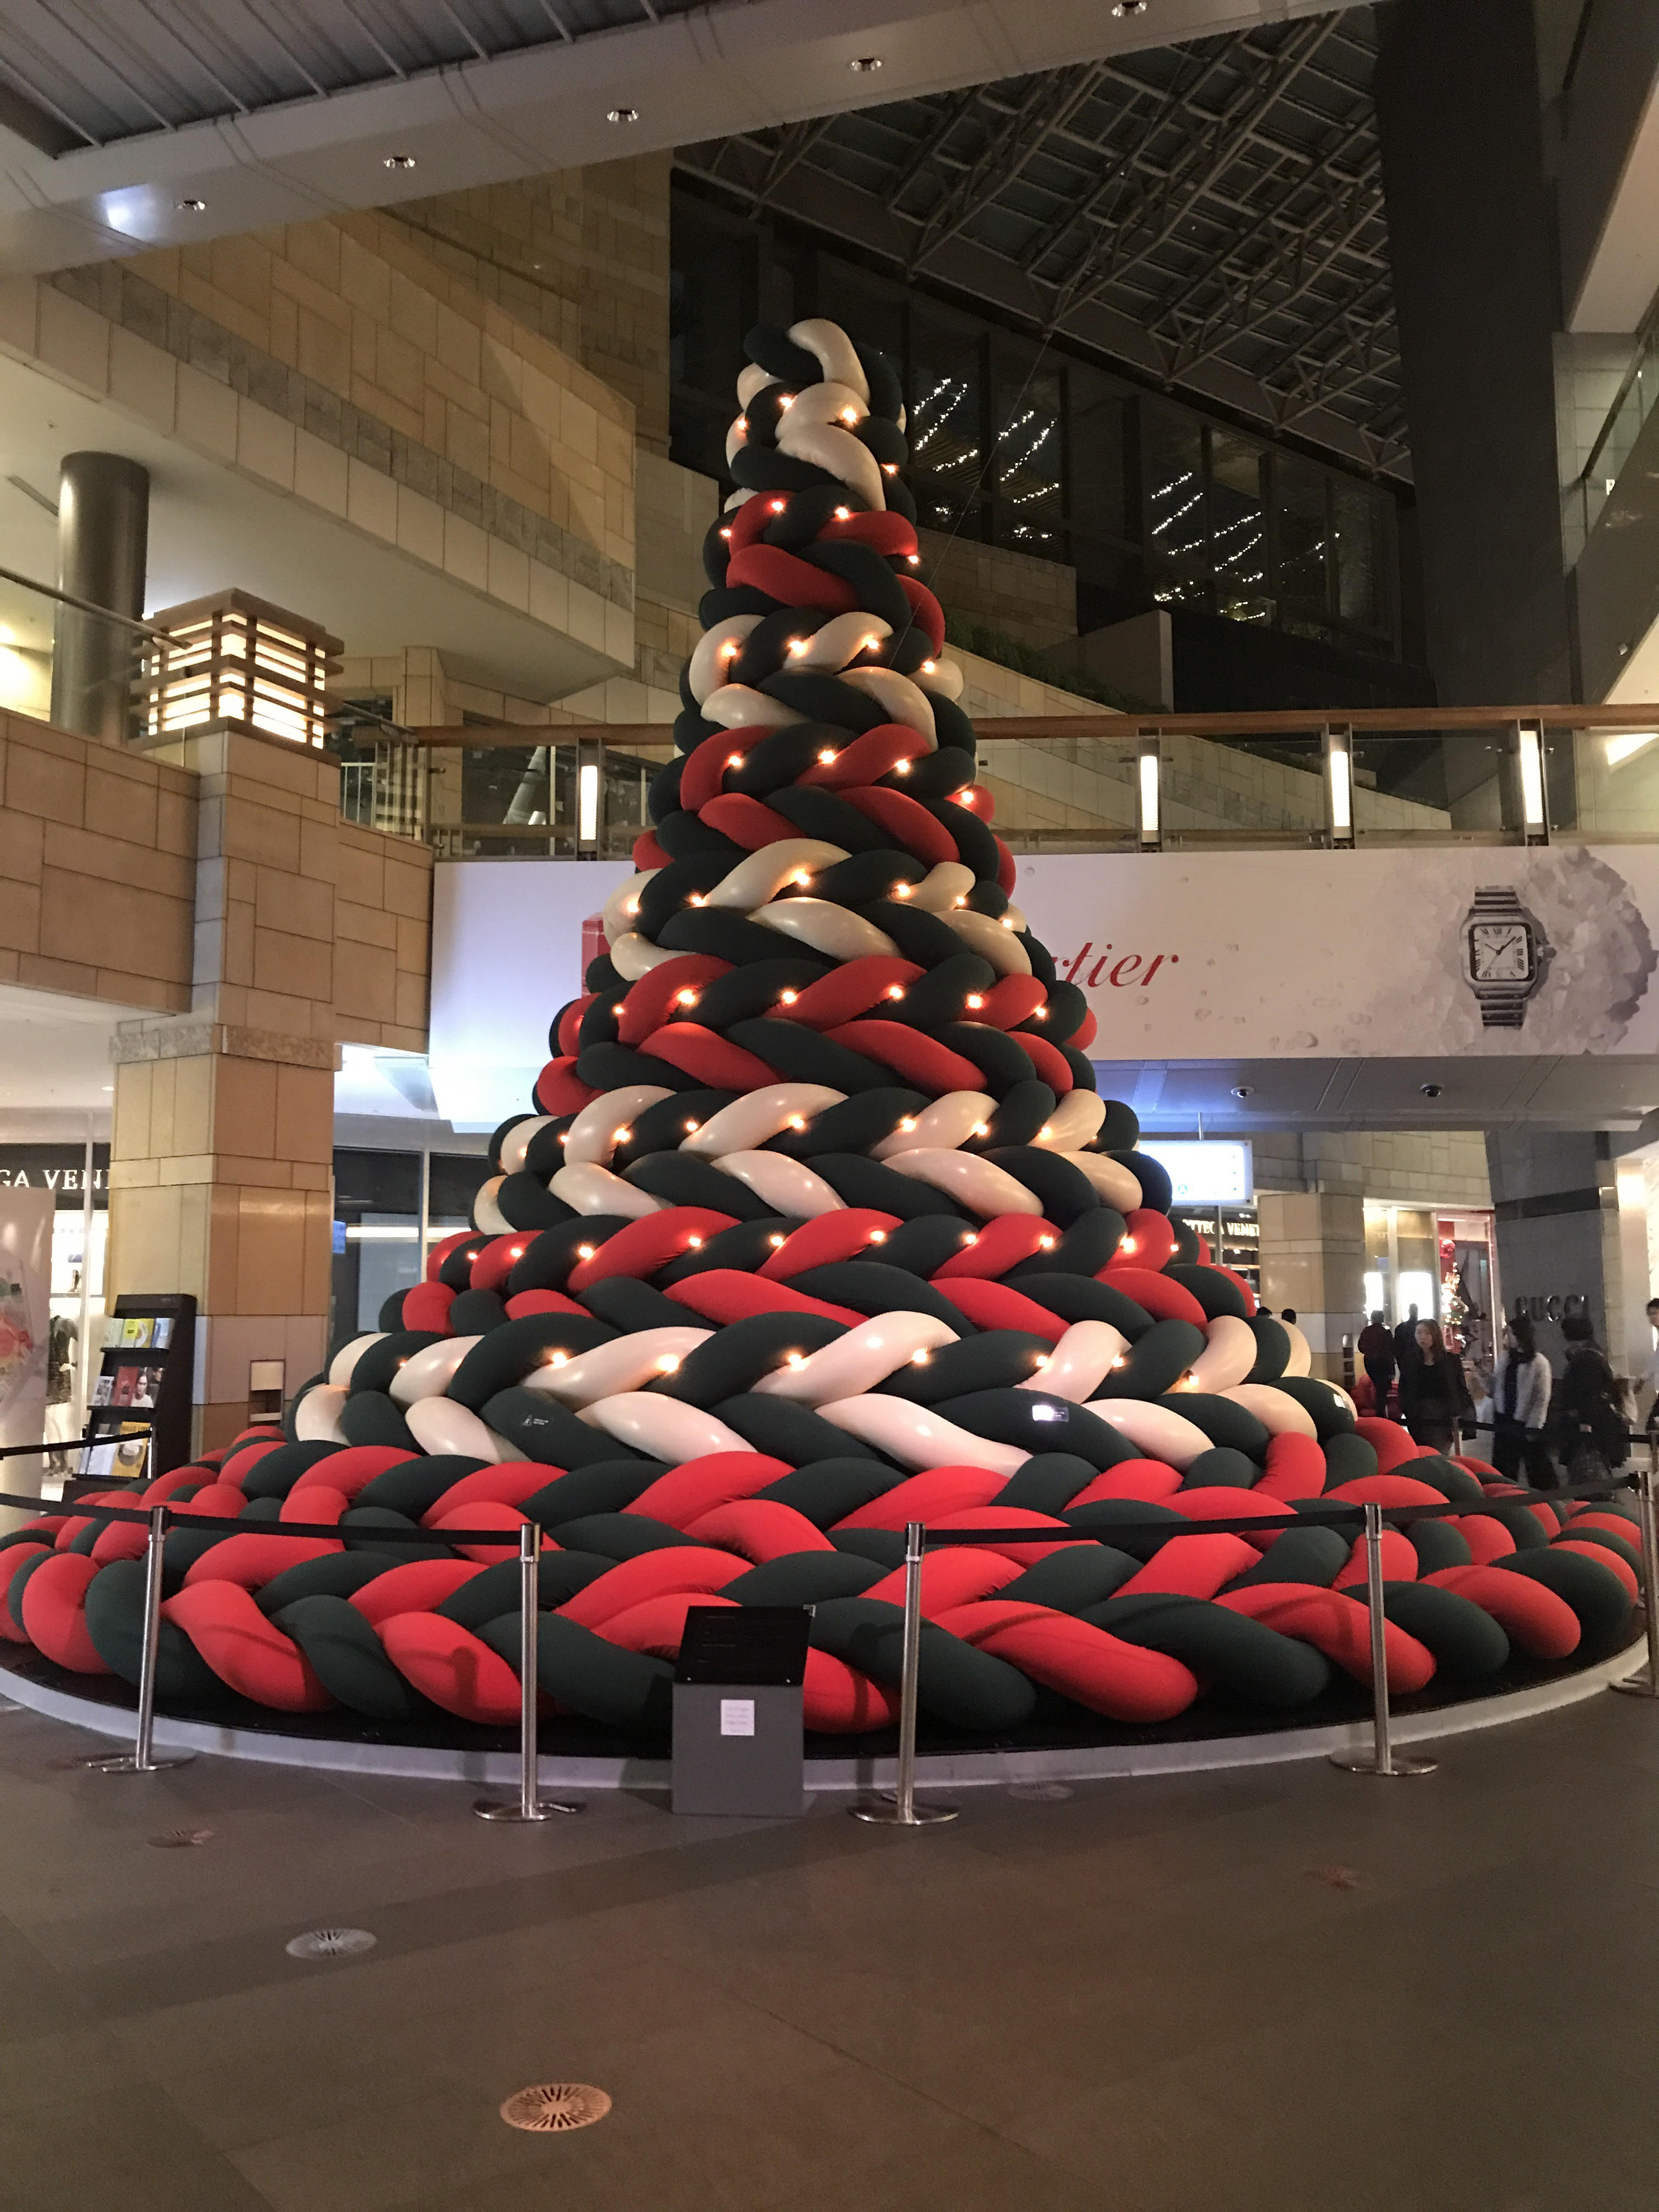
{"points": [[1289, 1989]]}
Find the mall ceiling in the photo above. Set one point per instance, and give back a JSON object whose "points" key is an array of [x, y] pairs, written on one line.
{"points": [[1211, 214], [129, 123]]}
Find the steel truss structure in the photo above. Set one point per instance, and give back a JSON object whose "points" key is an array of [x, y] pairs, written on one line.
{"points": [[102, 70], [1222, 201]]}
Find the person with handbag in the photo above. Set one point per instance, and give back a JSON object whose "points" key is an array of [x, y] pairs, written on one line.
{"points": [[1521, 1401], [1434, 1397], [1590, 1419]]}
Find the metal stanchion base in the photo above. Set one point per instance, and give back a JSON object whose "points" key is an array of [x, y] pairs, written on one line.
{"points": [[546, 1808], [1637, 1685], [1400, 1764], [127, 1762], [888, 1815]]}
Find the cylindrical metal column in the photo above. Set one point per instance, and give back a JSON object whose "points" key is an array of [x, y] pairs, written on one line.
{"points": [[1382, 1757], [103, 530], [903, 1812]]}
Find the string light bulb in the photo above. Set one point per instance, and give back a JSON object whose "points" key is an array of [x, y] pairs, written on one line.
{"points": [[787, 998], [843, 515], [920, 1359], [734, 760], [694, 1242], [797, 1359], [692, 1128], [975, 999], [668, 1361], [878, 1236], [896, 992], [1045, 1244], [584, 1251], [930, 667], [686, 998], [775, 1240], [827, 757]]}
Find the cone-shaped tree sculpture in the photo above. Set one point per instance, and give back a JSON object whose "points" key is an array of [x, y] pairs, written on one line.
{"points": [[820, 1227]]}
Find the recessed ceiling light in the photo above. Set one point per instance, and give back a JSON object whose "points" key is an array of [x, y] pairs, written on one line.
{"points": [[622, 115], [866, 64], [1128, 7], [400, 161], [1242, 1089], [190, 206]]}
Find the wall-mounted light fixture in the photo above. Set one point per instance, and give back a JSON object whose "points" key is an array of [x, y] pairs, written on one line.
{"points": [[1149, 808], [1529, 761], [1338, 783]]}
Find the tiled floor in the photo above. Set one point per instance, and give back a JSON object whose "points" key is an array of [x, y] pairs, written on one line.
{"points": [[1291, 1990]]}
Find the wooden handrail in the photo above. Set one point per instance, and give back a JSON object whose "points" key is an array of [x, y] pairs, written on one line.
{"points": [[1392, 721]]}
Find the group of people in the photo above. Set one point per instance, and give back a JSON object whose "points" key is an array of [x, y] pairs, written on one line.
{"points": [[1535, 1422]]}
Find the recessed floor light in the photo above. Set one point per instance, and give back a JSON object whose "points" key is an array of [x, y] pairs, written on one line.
{"points": [[400, 161], [1129, 7], [866, 64], [622, 115]]}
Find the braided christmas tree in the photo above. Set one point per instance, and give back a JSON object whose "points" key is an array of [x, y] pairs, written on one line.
{"points": [[820, 1227]]}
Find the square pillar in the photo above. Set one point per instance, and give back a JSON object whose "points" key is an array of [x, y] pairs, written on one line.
{"points": [[221, 1184], [1313, 1258], [221, 1154]]}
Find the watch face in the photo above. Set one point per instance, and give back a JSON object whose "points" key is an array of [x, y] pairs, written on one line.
{"points": [[1500, 952]]}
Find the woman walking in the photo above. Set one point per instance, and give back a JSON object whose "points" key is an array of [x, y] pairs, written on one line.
{"points": [[1433, 1395], [1521, 1403], [1592, 1418]]}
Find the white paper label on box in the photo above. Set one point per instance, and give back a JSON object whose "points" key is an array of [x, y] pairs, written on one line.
{"points": [[736, 1716]]}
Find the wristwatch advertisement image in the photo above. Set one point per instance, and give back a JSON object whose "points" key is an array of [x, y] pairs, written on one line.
{"points": [[1506, 955]]}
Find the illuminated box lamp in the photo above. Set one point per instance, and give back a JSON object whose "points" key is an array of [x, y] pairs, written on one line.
{"points": [[232, 662]]}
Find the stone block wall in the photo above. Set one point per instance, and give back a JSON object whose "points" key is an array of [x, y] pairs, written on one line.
{"points": [[580, 255], [1031, 599], [339, 362], [97, 869]]}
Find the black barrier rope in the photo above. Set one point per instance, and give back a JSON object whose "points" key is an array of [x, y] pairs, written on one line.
{"points": [[1343, 1514]]}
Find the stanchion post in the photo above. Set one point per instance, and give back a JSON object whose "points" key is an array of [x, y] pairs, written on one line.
{"points": [[142, 1759], [903, 1812], [1646, 1685], [530, 1805], [1382, 1758]]}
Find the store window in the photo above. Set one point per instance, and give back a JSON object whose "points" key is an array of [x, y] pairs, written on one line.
{"points": [[1303, 530], [1177, 522], [76, 1300], [711, 305], [947, 420], [377, 1222], [1357, 525], [1031, 442], [457, 1179], [1238, 527]]}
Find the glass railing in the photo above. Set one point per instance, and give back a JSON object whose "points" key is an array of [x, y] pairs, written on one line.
{"points": [[1586, 497], [1083, 783], [63, 659]]}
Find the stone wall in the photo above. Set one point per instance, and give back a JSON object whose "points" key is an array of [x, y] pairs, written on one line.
{"points": [[1033, 600], [340, 363], [582, 256], [97, 868], [1405, 1167]]}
